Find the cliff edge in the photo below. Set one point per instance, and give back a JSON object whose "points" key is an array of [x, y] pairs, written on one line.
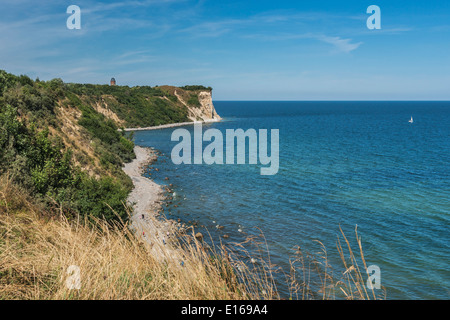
{"points": [[198, 102]]}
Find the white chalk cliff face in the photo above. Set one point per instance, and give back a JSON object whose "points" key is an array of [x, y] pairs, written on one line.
{"points": [[207, 107], [205, 112]]}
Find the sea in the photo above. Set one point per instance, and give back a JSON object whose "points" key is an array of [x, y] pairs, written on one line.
{"points": [[342, 165]]}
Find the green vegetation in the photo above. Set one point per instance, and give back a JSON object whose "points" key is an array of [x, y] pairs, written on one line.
{"points": [[113, 147], [193, 100], [138, 106], [196, 88], [61, 143], [41, 165]]}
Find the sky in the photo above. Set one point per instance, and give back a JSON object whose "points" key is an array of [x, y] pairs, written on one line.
{"points": [[245, 50]]}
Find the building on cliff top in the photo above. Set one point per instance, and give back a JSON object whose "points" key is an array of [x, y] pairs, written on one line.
{"points": [[113, 82]]}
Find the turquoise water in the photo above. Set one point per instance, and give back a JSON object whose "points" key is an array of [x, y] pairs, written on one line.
{"points": [[341, 164]]}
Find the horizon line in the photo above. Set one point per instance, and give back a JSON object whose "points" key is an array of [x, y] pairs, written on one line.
{"points": [[314, 100]]}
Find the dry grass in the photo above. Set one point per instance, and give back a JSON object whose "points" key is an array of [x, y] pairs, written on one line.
{"points": [[312, 277], [35, 254], [36, 250]]}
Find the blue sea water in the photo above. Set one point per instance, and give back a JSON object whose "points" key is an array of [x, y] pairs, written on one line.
{"points": [[341, 164]]}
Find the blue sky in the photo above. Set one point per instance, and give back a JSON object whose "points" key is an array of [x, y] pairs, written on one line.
{"points": [[245, 50]]}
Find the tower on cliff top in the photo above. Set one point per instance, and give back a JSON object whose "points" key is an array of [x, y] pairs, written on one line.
{"points": [[113, 82]]}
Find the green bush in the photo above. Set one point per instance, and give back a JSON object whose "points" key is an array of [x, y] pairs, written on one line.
{"points": [[42, 167], [196, 88], [115, 148]]}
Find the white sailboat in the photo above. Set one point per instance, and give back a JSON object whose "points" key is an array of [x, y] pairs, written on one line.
{"points": [[411, 120]]}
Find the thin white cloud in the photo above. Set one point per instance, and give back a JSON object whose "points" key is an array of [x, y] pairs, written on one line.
{"points": [[341, 45]]}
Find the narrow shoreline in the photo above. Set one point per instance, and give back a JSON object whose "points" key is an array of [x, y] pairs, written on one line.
{"points": [[146, 199], [170, 125]]}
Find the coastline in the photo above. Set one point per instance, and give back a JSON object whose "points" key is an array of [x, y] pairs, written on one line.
{"points": [[146, 199], [170, 125]]}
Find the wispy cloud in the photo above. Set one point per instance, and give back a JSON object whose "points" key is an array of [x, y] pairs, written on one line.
{"points": [[245, 27], [341, 45]]}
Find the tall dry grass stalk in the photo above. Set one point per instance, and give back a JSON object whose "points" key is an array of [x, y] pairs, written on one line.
{"points": [[36, 250]]}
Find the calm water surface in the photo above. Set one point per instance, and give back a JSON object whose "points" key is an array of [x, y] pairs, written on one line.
{"points": [[341, 164]]}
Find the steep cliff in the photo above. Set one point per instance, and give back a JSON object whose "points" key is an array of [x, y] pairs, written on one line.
{"points": [[207, 106], [197, 102]]}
